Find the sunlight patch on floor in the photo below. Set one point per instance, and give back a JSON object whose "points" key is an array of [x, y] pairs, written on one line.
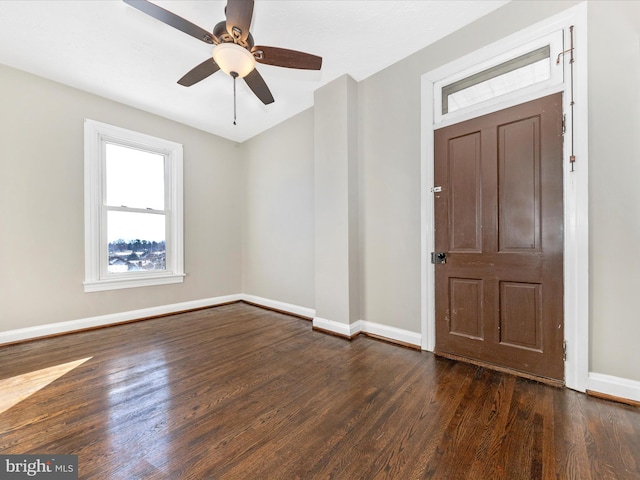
{"points": [[16, 389]]}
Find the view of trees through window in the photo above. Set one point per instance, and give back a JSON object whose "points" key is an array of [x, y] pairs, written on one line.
{"points": [[136, 255], [135, 201]]}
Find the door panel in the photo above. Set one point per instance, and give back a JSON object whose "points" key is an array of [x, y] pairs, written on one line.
{"points": [[465, 184], [520, 315], [499, 219], [519, 179], [466, 307]]}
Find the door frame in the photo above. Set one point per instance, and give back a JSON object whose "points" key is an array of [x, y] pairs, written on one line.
{"points": [[575, 184]]}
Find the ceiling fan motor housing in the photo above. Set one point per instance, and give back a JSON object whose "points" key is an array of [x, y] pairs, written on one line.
{"points": [[220, 32]]}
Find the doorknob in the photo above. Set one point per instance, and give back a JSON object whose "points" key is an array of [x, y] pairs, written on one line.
{"points": [[438, 257]]}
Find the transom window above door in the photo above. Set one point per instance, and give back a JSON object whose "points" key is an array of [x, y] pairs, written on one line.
{"points": [[497, 80]]}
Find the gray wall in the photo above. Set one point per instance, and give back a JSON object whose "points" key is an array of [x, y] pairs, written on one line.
{"points": [[337, 255], [614, 196], [42, 212], [278, 233]]}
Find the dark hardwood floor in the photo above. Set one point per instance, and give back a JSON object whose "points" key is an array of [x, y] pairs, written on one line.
{"points": [[238, 392]]}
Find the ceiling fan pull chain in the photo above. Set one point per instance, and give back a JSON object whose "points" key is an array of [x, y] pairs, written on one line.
{"points": [[234, 75]]}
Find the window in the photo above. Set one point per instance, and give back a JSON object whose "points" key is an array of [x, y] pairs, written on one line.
{"points": [[507, 77], [520, 72], [133, 209]]}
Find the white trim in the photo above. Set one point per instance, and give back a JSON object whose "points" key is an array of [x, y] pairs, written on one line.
{"points": [[348, 330], [285, 307], [391, 333], [576, 218], [615, 386], [363, 326], [501, 103], [146, 281], [427, 218], [576, 210], [28, 333]]}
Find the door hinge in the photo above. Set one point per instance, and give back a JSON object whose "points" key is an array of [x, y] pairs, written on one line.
{"points": [[564, 350], [564, 124], [436, 189]]}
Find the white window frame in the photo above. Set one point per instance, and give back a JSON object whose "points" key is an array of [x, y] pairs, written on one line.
{"points": [[97, 278]]}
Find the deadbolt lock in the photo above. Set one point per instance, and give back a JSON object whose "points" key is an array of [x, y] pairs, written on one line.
{"points": [[438, 257]]}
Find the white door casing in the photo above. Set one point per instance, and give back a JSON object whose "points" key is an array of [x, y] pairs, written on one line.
{"points": [[576, 210]]}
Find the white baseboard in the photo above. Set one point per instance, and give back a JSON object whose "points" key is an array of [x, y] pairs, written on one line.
{"points": [[339, 328], [285, 307], [614, 386], [28, 333], [392, 333], [103, 320], [362, 326]]}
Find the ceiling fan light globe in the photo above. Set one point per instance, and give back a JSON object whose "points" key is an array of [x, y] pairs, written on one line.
{"points": [[234, 58]]}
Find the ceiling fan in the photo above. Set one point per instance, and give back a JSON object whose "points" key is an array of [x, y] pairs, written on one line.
{"points": [[234, 51]]}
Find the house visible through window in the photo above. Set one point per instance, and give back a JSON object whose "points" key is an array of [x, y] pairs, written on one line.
{"points": [[133, 209]]}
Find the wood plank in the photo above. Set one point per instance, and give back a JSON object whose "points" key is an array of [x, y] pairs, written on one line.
{"points": [[238, 391]]}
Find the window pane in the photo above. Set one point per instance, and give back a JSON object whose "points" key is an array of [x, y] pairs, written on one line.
{"points": [[136, 242], [135, 178], [519, 72], [501, 85]]}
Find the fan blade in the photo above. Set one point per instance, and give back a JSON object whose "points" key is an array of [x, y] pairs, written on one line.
{"points": [[282, 57], [171, 19], [239, 13], [259, 87], [202, 71]]}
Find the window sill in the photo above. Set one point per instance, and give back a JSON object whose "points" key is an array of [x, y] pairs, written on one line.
{"points": [[120, 283]]}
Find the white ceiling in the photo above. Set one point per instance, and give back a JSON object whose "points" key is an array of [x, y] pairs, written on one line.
{"points": [[111, 49]]}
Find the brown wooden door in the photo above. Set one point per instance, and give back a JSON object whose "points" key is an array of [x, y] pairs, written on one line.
{"points": [[499, 219]]}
